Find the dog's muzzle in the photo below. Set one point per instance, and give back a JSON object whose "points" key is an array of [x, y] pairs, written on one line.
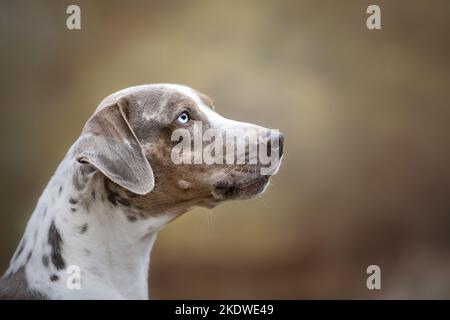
{"points": [[248, 180]]}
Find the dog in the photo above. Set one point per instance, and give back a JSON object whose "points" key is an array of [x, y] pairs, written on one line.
{"points": [[93, 228]]}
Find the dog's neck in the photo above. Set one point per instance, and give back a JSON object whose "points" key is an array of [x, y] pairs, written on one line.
{"points": [[79, 224]]}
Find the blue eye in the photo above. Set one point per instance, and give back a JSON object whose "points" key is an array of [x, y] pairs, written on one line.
{"points": [[183, 118]]}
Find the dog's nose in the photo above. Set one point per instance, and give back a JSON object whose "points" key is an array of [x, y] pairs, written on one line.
{"points": [[274, 136]]}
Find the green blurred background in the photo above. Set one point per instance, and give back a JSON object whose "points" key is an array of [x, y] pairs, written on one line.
{"points": [[365, 114]]}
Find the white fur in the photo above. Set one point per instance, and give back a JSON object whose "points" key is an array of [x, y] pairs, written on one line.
{"points": [[113, 254], [117, 266]]}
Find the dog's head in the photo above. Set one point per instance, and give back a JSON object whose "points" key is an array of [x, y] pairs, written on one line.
{"points": [[164, 146]]}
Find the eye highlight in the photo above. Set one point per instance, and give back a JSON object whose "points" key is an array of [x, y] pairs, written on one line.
{"points": [[183, 118]]}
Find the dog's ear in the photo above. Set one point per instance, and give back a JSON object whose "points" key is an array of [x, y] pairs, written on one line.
{"points": [[109, 144]]}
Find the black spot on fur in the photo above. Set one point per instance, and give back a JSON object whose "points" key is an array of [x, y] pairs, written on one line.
{"points": [[73, 209], [87, 252], [56, 243], [111, 195], [131, 218], [114, 197], [93, 194], [54, 277], [123, 202], [22, 245], [73, 201], [44, 212], [29, 256], [60, 190], [21, 248], [83, 228], [45, 261]]}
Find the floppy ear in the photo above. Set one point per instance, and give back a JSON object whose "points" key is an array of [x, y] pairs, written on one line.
{"points": [[109, 144]]}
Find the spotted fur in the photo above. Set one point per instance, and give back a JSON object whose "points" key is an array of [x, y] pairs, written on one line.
{"points": [[113, 191]]}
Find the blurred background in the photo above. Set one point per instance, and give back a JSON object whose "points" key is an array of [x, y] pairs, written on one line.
{"points": [[365, 114]]}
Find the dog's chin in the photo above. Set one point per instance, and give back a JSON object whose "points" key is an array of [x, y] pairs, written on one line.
{"points": [[240, 189]]}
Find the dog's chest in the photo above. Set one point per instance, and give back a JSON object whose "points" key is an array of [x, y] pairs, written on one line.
{"points": [[78, 245]]}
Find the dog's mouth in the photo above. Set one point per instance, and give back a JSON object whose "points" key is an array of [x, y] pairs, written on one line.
{"points": [[240, 189]]}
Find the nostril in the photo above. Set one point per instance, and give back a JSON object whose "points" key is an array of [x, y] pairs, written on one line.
{"points": [[281, 142]]}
